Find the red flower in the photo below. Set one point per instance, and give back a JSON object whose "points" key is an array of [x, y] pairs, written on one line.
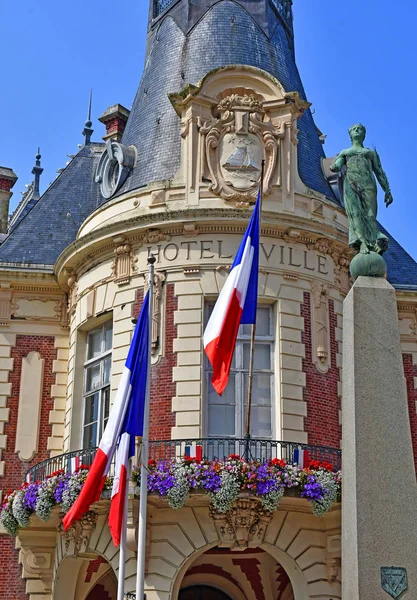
{"points": [[276, 462], [81, 467], [314, 464], [234, 457], [327, 466]]}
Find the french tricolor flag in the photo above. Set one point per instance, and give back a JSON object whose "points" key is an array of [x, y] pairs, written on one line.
{"points": [[236, 304], [194, 451], [301, 457], [125, 422]]}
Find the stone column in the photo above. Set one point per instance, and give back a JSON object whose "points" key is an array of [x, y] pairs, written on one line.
{"points": [[379, 504]]}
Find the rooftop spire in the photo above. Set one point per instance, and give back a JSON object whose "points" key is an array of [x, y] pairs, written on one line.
{"points": [[88, 131], [37, 172]]}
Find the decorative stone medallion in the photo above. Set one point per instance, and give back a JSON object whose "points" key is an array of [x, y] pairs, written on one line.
{"points": [[114, 166], [394, 580], [236, 144]]}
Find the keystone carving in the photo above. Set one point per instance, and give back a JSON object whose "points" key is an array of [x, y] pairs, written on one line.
{"points": [[236, 143], [320, 325], [77, 537], [244, 524], [124, 262]]}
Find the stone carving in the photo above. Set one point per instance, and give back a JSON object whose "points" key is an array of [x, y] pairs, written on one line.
{"points": [[124, 262], [114, 166], [36, 555], [153, 236], [237, 143], [320, 325], [73, 290], [394, 580], [158, 282], [358, 166], [77, 537], [244, 523]]}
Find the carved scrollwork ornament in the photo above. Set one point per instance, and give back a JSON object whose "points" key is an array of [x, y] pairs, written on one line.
{"points": [[77, 537], [114, 166], [236, 143], [244, 523]]}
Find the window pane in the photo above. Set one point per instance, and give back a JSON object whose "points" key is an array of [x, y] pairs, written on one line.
{"points": [[106, 370], [261, 389], [263, 315], [108, 336], [221, 420], [92, 380], [228, 394], [261, 358], [94, 343], [90, 436], [91, 408], [261, 422]]}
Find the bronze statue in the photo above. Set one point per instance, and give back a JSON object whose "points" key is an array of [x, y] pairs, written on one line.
{"points": [[360, 192]]}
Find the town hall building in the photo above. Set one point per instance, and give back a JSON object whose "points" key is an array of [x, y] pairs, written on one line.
{"points": [[178, 176]]}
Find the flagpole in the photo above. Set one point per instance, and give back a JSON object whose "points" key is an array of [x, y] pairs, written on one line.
{"points": [[143, 499], [253, 333], [122, 549]]}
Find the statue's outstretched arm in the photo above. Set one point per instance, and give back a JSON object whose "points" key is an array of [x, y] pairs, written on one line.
{"points": [[382, 177], [338, 163]]}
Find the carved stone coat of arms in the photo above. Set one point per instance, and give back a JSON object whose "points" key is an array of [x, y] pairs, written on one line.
{"points": [[236, 144]]}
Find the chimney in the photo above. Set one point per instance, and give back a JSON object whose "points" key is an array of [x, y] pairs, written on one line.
{"points": [[7, 180], [114, 118]]}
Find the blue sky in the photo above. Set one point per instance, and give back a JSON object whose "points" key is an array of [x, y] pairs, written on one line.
{"points": [[357, 62]]}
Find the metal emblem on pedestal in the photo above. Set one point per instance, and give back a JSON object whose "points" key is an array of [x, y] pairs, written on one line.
{"points": [[394, 580]]}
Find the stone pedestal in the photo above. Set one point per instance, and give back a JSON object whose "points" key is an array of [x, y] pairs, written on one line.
{"points": [[379, 504]]}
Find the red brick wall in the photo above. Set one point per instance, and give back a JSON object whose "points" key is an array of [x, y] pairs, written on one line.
{"points": [[163, 389], [15, 469], [12, 587], [410, 371], [320, 394]]}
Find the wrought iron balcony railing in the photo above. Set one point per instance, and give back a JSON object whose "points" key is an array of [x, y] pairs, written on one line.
{"points": [[209, 448]]}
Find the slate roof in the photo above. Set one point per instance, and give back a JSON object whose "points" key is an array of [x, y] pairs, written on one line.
{"points": [[52, 223], [183, 50], [401, 267]]}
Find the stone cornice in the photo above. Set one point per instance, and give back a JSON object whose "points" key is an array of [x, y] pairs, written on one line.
{"points": [[98, 245]]}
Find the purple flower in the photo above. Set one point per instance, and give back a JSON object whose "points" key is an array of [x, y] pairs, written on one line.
{"points": [[313, 490], [31, 496]]}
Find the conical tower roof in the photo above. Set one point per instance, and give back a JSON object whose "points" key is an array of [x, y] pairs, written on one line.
{"points": [[187, 40]]}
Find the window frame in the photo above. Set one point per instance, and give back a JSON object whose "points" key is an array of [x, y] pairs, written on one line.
{"points": [[103, 386], [240, 401]]}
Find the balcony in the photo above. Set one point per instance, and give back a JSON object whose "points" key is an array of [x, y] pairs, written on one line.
{"points": [[210, 448]]}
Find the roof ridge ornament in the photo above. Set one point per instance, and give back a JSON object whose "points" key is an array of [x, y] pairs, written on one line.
{"points": [[88, 131]]}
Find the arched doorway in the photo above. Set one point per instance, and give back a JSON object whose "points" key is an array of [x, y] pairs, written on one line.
{"points": [[234, 574], [85, 578], [202, 592]]}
